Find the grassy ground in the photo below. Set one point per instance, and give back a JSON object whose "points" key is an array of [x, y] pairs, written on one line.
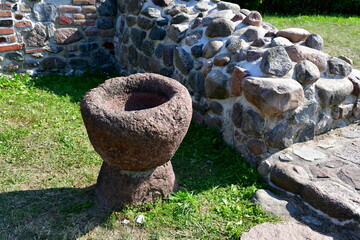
{"points": [[341, 34], [48, 169]]}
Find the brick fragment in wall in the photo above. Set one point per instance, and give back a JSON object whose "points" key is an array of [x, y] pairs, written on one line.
{"points": [[11, 47], [88, 9], [11, 39], [5, 14], [8, 39], [84, 22], [5, 6], [79, 16], [6, 31], [69, 9], [23, 24], [83, 2], [91, 16], [34, 50], [19, 16], [65, 20]]}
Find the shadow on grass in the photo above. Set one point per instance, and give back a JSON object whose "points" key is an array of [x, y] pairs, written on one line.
{"points": [[75, 86], [58, 213], [205, 161]]}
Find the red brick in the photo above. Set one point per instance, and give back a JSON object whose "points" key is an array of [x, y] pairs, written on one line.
{"points": [[69, 9], [23, 24], [79, 16], [34, 50], [5, 14], [84, 22], [88, 9], [11, 39], [12, 47], [83, 2], [5, 6], [65, 20], [6, 31], [19, 16], [92, 16], [237, 76], [107, 33]]}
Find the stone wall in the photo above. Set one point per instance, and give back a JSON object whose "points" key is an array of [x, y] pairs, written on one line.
{"points": [[263, 88], [63, 36]]}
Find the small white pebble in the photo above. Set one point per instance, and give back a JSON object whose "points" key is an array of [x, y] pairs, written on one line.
{"points": [[125, 221], [140, 219]]}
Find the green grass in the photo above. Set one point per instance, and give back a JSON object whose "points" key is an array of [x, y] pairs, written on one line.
{"points": [[48, 169], [341, 34]]}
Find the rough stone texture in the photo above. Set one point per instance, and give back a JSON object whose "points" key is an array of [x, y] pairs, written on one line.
{"points": [[50, 63], [216, 85], [211, 48], [253, 123], [280, 41], [67, 35], [333, 91], [283, 231], [15, 56], [294, 34], [234, 44], [332, 188], [251, 34], [177, 32], [273, 204], [222, 59], [237, 77], [289, 177], [299, 53], [226, 5], [159, 107], [137, 37], [162, 3], [227, 14], [115, 187], [351, 175], [306, 72], [272, 96], [197, 50], [309, 154], [254, 19], [256, 147], [354, 77], [45, 12], [334, 199], [281, 136], [339, 67], [37, 37], [130, 6], [315, 41], [183, 60], [196, 81], [220, 27], [275, 61]]}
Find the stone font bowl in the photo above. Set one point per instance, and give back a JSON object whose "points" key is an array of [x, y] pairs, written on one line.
{"points": [[136, 123]]}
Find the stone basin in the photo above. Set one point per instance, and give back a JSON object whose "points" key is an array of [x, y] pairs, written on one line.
{"points": [[136, 124]]}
